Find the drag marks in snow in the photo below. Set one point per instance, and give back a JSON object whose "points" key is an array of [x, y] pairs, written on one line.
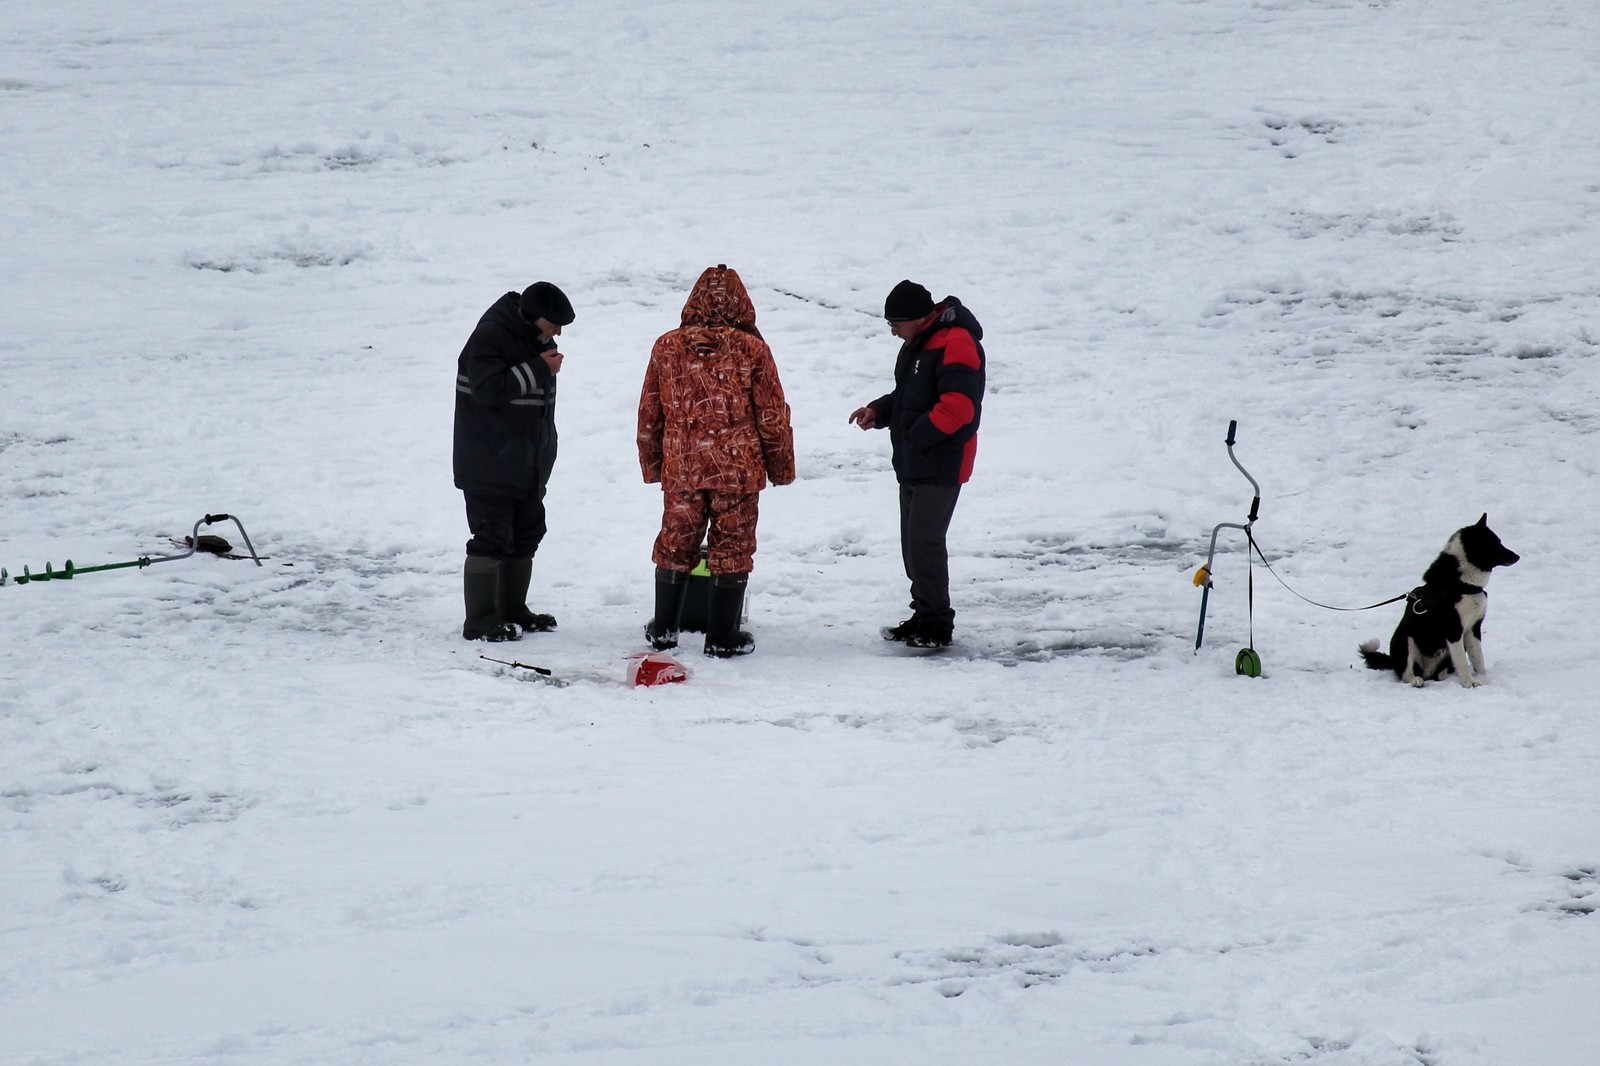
{"points": [[45, 477], [1023, 959], [1291, 137], [351, 592], [1286, 301], [298, 588], [115, 842], [173, 806], [1053, 549], [1306, 224], [300, 252], [1059, 594], [361, 154], [656, 289], [1018, 962], [969, 730], [1583, 892], [1113, 643], [1567, 892], [1424, 335]]}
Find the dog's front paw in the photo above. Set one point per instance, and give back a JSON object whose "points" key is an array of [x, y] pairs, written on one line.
{"points": [[1469, 682], [1414, 682]]}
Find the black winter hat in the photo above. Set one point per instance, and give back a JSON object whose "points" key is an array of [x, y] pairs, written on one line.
{"points": [[544, 300], [907, 301]]}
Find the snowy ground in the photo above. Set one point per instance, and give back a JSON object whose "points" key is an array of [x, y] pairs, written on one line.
{"points": [[286, 816]]}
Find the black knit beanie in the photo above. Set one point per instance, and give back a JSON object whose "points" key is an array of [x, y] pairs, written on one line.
{"points": [[544, 300], [907, 301]]}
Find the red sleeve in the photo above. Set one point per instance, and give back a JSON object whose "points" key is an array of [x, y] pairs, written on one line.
{"points": [[955, 409], [960, 349]]}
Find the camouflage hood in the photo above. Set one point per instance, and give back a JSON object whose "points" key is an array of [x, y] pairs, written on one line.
{"points": [[719, 299]]}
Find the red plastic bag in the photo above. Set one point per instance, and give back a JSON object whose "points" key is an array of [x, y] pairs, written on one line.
{"points": [[655, 668]]}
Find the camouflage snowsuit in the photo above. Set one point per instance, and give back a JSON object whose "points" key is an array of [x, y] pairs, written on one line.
{"points": [[713, 428]]}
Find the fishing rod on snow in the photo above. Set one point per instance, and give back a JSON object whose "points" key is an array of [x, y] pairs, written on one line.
{"points": [[69, 571], [1247, 662]]}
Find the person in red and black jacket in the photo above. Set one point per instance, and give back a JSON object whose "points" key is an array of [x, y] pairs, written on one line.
{"points": [[932, 416]]}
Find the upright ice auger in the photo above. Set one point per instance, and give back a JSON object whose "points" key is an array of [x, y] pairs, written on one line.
{"points": [[70, 571], [1247, 662]]}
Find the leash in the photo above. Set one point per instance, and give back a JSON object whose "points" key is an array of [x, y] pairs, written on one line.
{"points": [[1325, 606]]}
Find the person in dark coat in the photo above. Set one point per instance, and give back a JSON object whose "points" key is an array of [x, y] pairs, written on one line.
{"points": [[932, 415], [505, 448]]}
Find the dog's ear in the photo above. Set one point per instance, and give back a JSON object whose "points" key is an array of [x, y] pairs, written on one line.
{"points": [[1484, 521]]}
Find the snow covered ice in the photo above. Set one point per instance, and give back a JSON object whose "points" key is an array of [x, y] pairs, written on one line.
{"points": [[286, 816]]}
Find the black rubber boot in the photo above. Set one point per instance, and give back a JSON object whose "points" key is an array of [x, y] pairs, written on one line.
{"points": [[671, 587], [511, 597], [724, 638], [479, 579]]}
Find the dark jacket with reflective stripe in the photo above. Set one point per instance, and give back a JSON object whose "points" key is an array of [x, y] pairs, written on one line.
{"points": [[937, 402], [505, 432]]}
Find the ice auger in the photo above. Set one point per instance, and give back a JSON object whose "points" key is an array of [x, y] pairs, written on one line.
{"points": [[1247, 662], [69, 570]]}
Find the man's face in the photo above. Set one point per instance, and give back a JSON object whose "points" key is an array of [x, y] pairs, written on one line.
{"points": [[907, 329], [547, 329]]}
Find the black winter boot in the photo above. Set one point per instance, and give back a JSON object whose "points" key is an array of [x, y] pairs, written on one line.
{"points": [[931, 634], [671, 587], [902, 632], [511, 596], [724, 638], [478, 582]]}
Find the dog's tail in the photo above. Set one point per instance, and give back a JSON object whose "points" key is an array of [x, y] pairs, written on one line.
{"points": [[1376, 660]]}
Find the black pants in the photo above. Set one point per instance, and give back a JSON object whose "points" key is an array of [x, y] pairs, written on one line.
{"points": [[504, 527], [925, 512]]}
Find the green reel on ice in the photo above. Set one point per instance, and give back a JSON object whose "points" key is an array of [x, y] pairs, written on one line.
{"points": [[1247, 663]]}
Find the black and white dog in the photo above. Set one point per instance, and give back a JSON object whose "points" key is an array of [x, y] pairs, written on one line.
{"points": [[1442, 629]]}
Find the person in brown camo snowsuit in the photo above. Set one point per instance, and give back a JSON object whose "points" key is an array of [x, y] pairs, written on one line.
{"points": [[713, 430]]}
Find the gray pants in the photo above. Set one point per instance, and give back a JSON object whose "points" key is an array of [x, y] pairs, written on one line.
{"points": [[925, 512]]}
